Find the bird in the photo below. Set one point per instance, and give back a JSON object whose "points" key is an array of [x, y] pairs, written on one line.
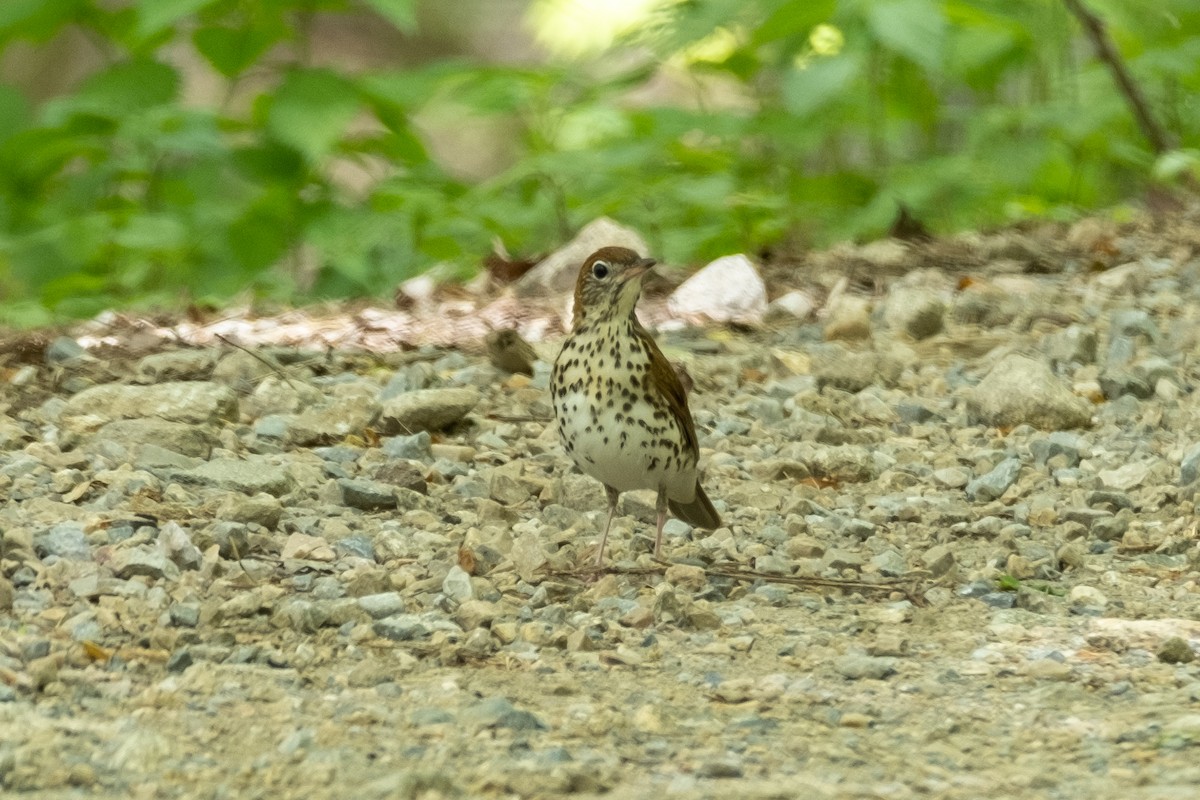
{"points": [[620, 408]]}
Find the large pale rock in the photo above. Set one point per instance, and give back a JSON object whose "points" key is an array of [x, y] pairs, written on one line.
{"points": [[427, 409], [1020, 389], [556, 273], [193, 402], [726, 290]]}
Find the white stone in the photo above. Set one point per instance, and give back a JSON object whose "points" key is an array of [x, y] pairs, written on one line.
{"points": [[728, 289]]}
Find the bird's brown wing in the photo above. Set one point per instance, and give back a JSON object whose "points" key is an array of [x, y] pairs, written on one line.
{"points": [[665, 383]]}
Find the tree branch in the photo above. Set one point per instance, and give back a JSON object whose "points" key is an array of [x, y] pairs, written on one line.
{"points": [[1094, 28]]}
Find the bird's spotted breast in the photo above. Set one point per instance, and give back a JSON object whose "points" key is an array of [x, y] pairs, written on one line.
{"points": [[611, 425]]}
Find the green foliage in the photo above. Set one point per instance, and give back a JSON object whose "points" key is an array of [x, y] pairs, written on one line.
{"points": [[793, 122]]}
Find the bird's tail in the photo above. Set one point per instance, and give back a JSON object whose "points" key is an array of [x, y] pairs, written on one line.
{"points": [[699, 513]]}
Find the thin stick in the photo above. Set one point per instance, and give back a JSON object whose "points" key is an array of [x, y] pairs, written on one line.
{"points": [[1095, 30]]}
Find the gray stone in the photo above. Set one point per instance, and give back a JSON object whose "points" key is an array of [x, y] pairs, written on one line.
{"points": [[186, 439], [175, 542], [853, 371], [142, 561], [996, 482], [333, 422], [498, 712], [193, 402], [184, 615], [65, 351], [401, 628], [415, 447], [915, 311], [1060, 443], [242, 371], [427, 409], [384, 604], [857, 667], [457, 585], [366, 495], [176, 365], [180, 660], [1189, 467], [1073, 345], [939, 560], [253, 475], [260, 509], [890, 563], [913, 412], [1020, 389], [65, 540]]}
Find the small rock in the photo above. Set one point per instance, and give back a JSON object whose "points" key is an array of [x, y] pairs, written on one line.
{"points": [[401, 628], [1176, 650], [260, 509], [180, 660], [415, 447], [251, 476], [176, 365], [848, 319], [427, 409], [915, 311], [856, 667], [383, 604], [184, 615], [366, 495], [193, 402], [457, 585], [996, 482], [65, 540], [939, 560], [1126, 476], [729, 289], [186, 439], [729, 766], [308, 548], [498, 712], [1020, 389], [1189, 467], [143, 561]]}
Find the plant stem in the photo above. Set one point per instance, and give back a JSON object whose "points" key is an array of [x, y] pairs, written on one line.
{"points": [[1095, 30]]}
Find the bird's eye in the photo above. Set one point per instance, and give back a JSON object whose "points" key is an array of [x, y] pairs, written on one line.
{"points": [[600, 270]]}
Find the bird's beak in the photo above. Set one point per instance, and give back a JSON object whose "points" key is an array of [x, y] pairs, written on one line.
{"points": [[639, 267]]}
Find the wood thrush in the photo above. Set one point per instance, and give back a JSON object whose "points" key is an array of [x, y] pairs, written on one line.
{"points": [[622, 412]]}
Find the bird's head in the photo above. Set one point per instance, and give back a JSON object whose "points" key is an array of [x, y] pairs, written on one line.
{"points": [[609, 283]]}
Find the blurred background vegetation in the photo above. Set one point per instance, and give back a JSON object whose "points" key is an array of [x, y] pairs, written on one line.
{"points": [[167, 152]]}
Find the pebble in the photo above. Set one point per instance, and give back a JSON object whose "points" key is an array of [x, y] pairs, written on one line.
{"points": [[426, 409], [1020, 389]]}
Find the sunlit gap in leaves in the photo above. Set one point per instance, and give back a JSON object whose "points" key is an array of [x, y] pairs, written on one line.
{"points": [[575, 28]]}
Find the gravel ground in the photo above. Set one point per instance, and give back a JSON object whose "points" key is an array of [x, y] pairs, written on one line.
{"points": [[960, 559]]}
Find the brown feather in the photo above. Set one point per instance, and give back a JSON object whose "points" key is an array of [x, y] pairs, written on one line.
{"points": [[666, 384]]}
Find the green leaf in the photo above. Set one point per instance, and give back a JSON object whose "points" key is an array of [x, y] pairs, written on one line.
{"points": [[36, 19], [14, 112], [401, 13], [793, 19], [123, 89], [232, 50], [156, 16], [311, 110], [915, 29], [806, 89], [152, 232]]}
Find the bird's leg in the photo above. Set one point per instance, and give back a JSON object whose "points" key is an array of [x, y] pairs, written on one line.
{"points": [[613, 494], [661, 505]]}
